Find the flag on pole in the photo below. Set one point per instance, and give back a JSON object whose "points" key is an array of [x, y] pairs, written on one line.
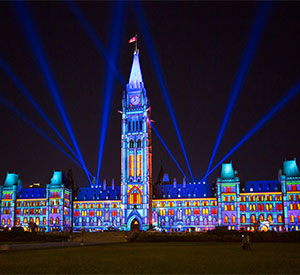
{"points": [[133, 39]]}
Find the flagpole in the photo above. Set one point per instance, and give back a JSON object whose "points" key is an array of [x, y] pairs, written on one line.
{"points": [[136, 43]]}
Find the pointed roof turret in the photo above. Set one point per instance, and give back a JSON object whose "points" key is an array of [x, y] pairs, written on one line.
{"points": [[290, 168], [135, 78]]}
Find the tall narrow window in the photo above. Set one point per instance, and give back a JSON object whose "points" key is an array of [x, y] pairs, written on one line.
{"points": [[137, 126], [131, 143], [129, 128], [131, 165], [139, 165], [139, 143], [141, 125]]}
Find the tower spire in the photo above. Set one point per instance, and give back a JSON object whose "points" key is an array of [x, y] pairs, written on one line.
{"points": [[136, 77]]}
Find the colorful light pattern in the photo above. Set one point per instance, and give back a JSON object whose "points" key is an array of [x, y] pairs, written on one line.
{"points": [[172, 206]]}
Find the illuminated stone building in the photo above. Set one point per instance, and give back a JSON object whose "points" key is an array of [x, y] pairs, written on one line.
{"points": [[137, 203]]}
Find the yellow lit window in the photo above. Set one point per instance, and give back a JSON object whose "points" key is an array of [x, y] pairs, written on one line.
{"points": [[131, 165], [139, 165]]}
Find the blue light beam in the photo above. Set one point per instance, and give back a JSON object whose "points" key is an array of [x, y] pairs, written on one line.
{"points": [[255, 34], [91, 33], [284, 100], [117, 23], [31, 33], [159, 74], [168, 150], [29, 97], [37, 129]]}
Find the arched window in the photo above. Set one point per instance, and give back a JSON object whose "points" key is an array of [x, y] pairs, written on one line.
{"points": [[205, 222], [57, 221], [271, 207], [279, 217], [214, 221], [232, 207], [252, 219], [131, 165], [233, 219], [225, 208], [136, 125], [292, 220], [154, 216], [51, 220], [261, 217], [179, 214], [135, 196], [83, 222], [18, 221], [225, 219], [243, 219], [139, 164], [37, 221], [270, 218], [188, 221], [131, 143], [139, 143], [291, 206], [91, 222]]}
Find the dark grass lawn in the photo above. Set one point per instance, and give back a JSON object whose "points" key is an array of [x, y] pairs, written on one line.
{"points": [[157, 258]]}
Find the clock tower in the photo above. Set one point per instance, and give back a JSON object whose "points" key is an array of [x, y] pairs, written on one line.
{"points": [[136, 153]]}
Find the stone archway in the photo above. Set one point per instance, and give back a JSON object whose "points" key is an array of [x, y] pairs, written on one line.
{"points": [[135, 225]]}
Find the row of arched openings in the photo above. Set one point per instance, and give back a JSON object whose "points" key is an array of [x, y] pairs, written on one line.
{"points": [[132, 143]]}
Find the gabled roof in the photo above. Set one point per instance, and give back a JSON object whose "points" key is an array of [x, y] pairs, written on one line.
{"points": [[290, 168], [135, 77]]}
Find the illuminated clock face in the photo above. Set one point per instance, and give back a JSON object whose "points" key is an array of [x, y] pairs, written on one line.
{"points": [[135, 100]]}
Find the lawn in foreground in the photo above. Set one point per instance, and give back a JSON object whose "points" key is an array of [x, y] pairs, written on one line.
{"points": [[156, 258]]}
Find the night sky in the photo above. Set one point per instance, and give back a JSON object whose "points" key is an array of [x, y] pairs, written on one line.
{"points": [[199, 46]]}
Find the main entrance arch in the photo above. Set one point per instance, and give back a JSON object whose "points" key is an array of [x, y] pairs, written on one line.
{"points": [[134, 222], [135, 225]]}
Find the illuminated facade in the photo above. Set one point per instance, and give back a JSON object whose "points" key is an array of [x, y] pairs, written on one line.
{"points": [[138, 204], [48, 208]]}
